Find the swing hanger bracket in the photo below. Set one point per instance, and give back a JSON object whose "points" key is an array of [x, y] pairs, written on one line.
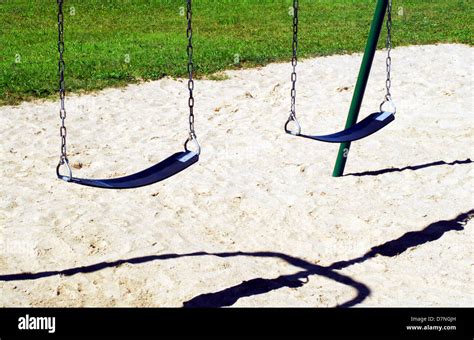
{"points": [[388, 106], [65, 162], [192, 139], [292, 120]]}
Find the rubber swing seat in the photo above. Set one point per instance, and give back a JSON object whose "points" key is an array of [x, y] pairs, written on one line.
{"points": [[366, 127], [158, 172]]}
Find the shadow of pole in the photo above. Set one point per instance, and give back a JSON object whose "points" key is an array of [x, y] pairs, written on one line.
{"points": [[229, 296], [411, 167]]}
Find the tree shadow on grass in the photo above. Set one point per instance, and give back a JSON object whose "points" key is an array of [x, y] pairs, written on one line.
{"points": [[411, 167], [229, 296]]}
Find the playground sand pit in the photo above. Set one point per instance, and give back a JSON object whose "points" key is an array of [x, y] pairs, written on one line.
{"points": [[259, 221]]}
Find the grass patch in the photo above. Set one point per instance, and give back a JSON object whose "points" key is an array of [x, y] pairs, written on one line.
{"points": [[115, 42], [218, 76]]}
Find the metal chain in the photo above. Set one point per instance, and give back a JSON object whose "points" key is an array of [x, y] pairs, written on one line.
{"points": [[189, 34], [294, 61], [294, 64], [388, 81], [62, 91]]}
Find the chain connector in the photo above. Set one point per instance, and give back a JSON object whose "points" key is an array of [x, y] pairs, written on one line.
{"points": [[192, 138], [292, 119], [64, 161], [391, 105]]}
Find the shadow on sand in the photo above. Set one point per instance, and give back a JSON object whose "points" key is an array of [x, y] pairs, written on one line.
{"points": [[229, 296], [411, 167]]}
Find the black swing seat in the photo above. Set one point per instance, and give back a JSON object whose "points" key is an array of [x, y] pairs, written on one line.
{"points": [[366, 127], [158, 172]]}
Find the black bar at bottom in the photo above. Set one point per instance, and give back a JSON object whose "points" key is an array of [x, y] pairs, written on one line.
{"points": [[416, 323]]}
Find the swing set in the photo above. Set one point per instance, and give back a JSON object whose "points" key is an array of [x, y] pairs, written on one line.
{"points": [[182, 160]]}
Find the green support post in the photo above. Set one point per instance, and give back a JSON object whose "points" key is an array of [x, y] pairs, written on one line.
{"points": [[361, 85]]}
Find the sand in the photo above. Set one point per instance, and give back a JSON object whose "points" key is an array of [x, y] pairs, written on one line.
{"points": [[259, 221]]}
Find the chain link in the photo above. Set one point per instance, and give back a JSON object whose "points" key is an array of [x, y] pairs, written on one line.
{"points": [[62, 88], [190, 69]]}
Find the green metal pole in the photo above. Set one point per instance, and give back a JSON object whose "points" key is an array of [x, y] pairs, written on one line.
{"points": [[361, 85]]}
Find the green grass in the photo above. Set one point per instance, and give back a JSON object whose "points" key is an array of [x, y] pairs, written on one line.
{"points": [[152, 33]]}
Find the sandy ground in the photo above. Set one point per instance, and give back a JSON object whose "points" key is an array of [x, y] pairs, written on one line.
{"points": [[259, 221]]}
